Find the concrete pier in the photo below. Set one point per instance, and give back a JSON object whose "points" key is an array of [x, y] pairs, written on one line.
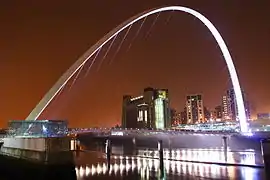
{"points": [[37, 158], [52, 150], [265, 147], [14, 168]]}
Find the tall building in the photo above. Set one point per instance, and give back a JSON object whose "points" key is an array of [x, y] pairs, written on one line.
{"points": [[195, 109], [207, 114], [247, 108], [225, 108], [218, 112], [151, 110], [265, 116], [213, 115], [233, 109], [229, 106], [183, 116], [175, 117]]}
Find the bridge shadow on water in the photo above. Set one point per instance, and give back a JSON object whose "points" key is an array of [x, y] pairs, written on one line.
{"points": [[140, 160], [14, 169], [93, 165], [135, 167]]}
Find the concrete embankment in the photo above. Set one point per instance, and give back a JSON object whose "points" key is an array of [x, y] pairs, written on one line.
{"points": [[37, 158], [14, 168]]}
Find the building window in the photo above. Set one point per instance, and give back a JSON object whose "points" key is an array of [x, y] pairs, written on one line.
{"points": [[145, 115], [159, 114], [140, 116]]}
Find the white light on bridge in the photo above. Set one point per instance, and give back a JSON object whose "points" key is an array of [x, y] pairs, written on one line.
{"points": [[112, 34]]}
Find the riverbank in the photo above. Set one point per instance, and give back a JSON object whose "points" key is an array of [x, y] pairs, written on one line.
{"points": [[14, 168]]}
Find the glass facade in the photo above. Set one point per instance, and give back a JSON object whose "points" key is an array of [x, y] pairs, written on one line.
{"points": [[159, 114], [38, 128]]}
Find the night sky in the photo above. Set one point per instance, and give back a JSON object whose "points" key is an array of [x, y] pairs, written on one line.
{"points": [[40, 40]]}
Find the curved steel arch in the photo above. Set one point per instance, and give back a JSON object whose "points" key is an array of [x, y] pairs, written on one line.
{"points": [[45, 101]]}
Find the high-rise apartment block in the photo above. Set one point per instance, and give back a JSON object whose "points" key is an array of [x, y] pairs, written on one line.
{"points": [[218, 112], [225, 108], [229, 106], [175, 117], [183, 116], [195, 109], [207, 114], [264, 116]]}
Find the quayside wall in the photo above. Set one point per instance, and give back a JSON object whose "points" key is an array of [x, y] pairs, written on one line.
{"points": [[51, 150]]}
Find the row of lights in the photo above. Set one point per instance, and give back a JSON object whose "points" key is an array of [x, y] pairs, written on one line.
{"points": [[203, 155], [123, 165]]}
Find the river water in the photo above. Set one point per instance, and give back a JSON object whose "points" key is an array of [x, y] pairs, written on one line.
{"points": [[143, 163], [148, 168]]}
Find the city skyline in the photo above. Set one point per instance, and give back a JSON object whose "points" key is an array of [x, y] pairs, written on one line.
{"points": [[183, 104], [34, 80]]}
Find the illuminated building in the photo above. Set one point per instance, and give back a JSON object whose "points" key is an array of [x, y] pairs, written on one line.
{"points": [[183, 115], [40, 128], [247, 108], [213, 115], [232, 104], [195, 109], [225, 108], [207, 114], [265, 116], [175, 117], [229, 106], [151, 110], [218, 112]]}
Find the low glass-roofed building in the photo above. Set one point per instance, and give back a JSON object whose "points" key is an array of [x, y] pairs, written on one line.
{"points": [[37, 128]]}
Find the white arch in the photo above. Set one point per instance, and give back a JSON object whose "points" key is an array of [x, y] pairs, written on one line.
{"points": [[83, 59]]}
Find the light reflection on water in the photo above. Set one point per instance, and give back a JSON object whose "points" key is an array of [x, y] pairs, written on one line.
{"points": [[204, 155], [148, 168]]}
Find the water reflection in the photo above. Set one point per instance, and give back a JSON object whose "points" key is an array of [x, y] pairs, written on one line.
{"points": [[148, 168], [204, 155]]}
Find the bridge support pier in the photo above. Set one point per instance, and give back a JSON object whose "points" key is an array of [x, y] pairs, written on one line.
{"points": [[265, 148], [134, 144], [161, 161], [225, 147], [170, 146], [108, 152]]}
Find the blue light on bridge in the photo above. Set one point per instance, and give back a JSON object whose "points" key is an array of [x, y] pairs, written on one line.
{"points": [[39, 128]]}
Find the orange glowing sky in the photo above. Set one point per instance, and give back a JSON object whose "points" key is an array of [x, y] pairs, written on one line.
{"points": [[40, 40]]}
